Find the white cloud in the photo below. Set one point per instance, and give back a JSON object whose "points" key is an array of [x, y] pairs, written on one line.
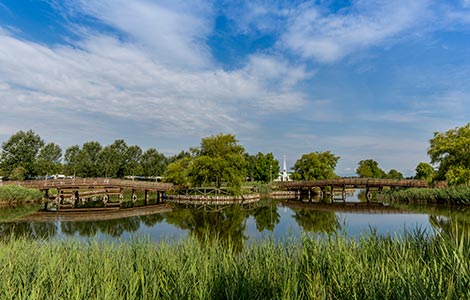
{"points": [[330, 37]]}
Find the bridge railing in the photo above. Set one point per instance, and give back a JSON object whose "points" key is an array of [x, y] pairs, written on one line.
{"points": [[354, 182], [90, 182]]}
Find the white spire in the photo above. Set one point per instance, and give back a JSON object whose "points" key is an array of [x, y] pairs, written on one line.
{"points": [[285, 177]]}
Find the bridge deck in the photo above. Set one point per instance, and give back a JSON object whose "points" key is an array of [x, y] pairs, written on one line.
{"points": [[353, 183]]}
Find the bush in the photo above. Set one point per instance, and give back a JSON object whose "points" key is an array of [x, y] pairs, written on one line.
{"points": [[12, 193]]}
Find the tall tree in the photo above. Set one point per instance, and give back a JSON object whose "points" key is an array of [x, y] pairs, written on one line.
{"points": [[88, 160], [71, 160], [21, 150], [262, 167], [451, 151], [153, 163], [369, 168], [113, 159], [394, 174], [132, 157], [316, 165], [219, 159], [425, 171], [49, 159]]}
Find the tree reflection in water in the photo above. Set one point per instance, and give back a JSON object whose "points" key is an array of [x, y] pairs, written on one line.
{"points": [[114, 228], [316, 221], [226, 226], [266, 217], [33, 230]]}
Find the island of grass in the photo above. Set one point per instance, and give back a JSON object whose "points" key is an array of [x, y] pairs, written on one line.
{"points": [[13, 195]]}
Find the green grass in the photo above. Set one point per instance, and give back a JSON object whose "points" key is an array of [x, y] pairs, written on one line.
{"points": [[14, 193], [8, 214], [415, 266], [459, 195]]}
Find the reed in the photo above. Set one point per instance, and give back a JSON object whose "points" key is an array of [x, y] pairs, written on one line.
{"points": [[414, 266], [18, 194], [459, 195]]}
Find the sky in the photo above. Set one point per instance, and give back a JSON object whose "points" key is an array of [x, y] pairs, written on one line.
{"points": [[362, 79]]}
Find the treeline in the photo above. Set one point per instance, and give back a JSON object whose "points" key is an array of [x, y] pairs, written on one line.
{"points": [[25, 155]]}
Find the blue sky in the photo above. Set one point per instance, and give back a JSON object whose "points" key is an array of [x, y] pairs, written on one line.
{"points": [[363, 79]]}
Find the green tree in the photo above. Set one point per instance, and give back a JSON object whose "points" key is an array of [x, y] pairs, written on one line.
{"points": [[177, 172], [132, 157], [369, 168], [394, 174], [425, 171], [49, 159], [315, 165], [153, 163], [71, 160], [219, 159], [262, 167], [88, 160], [17, 173], [113, 159], [451, 151], [21, 150]]}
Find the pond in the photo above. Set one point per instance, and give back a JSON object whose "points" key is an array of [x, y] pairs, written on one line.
{"points": [[271, 219]]}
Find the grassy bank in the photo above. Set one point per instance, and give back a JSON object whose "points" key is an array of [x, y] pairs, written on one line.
{"points": [[459, 195], [18, 194], [412, 267]]}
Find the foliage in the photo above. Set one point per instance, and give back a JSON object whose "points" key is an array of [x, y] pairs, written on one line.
{"points": [[262, 167], [49, 160], [18, 173], [457, 195], [16, 212], [394, 174], [153, 163], [451, 150], [13, 193], [88, 160], [369, 168], [425, 171], [219, 159], [416, 266], [316, 165], [177, 172], [21, 150]]}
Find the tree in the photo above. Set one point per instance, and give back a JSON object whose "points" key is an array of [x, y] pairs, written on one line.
{"points": [[21, 150], [219, 159], [451, 151], [316, 165], [153, 163], [113, 159], [394, 174], [71, 160], [425, 171], [88, 160], [369, 168], [177, 172], [49, 159], [262, 167], [132, 157]]}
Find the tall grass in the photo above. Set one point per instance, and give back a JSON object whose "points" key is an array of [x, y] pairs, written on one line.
{"points": [[455, 195], [14, 193], [415, 266]]}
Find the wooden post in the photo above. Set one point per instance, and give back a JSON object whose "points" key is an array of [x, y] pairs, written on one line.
{"points": [[134, 197], [121, 197], [309, 195], [343, 194], [146, 197]]}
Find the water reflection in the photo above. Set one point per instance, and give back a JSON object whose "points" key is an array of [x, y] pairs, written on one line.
{"points": [[231, 225], [227, 225], [316, 221]]}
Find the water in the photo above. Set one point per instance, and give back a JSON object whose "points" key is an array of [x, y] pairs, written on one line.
{"points": [[278, 220]]}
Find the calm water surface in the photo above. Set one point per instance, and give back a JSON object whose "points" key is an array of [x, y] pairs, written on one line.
{"points": [[278, 220]]}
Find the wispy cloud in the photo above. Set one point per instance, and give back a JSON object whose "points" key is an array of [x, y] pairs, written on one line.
{"points": [[314, 34]]}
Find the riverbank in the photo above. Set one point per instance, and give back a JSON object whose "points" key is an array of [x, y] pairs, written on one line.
{"points": [[459, 195], [415, 266], [13, 195]]}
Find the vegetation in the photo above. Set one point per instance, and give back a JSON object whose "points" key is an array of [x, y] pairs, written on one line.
{"points": [[262, 167], [415, 266], [12, 213], [13, 193], [451, 150], [315, 165], [425, 171], [369, 168], [458, 195]]}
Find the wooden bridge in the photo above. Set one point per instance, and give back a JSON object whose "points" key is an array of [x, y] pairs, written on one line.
{"points": [[305, 188], [71, 192]]}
